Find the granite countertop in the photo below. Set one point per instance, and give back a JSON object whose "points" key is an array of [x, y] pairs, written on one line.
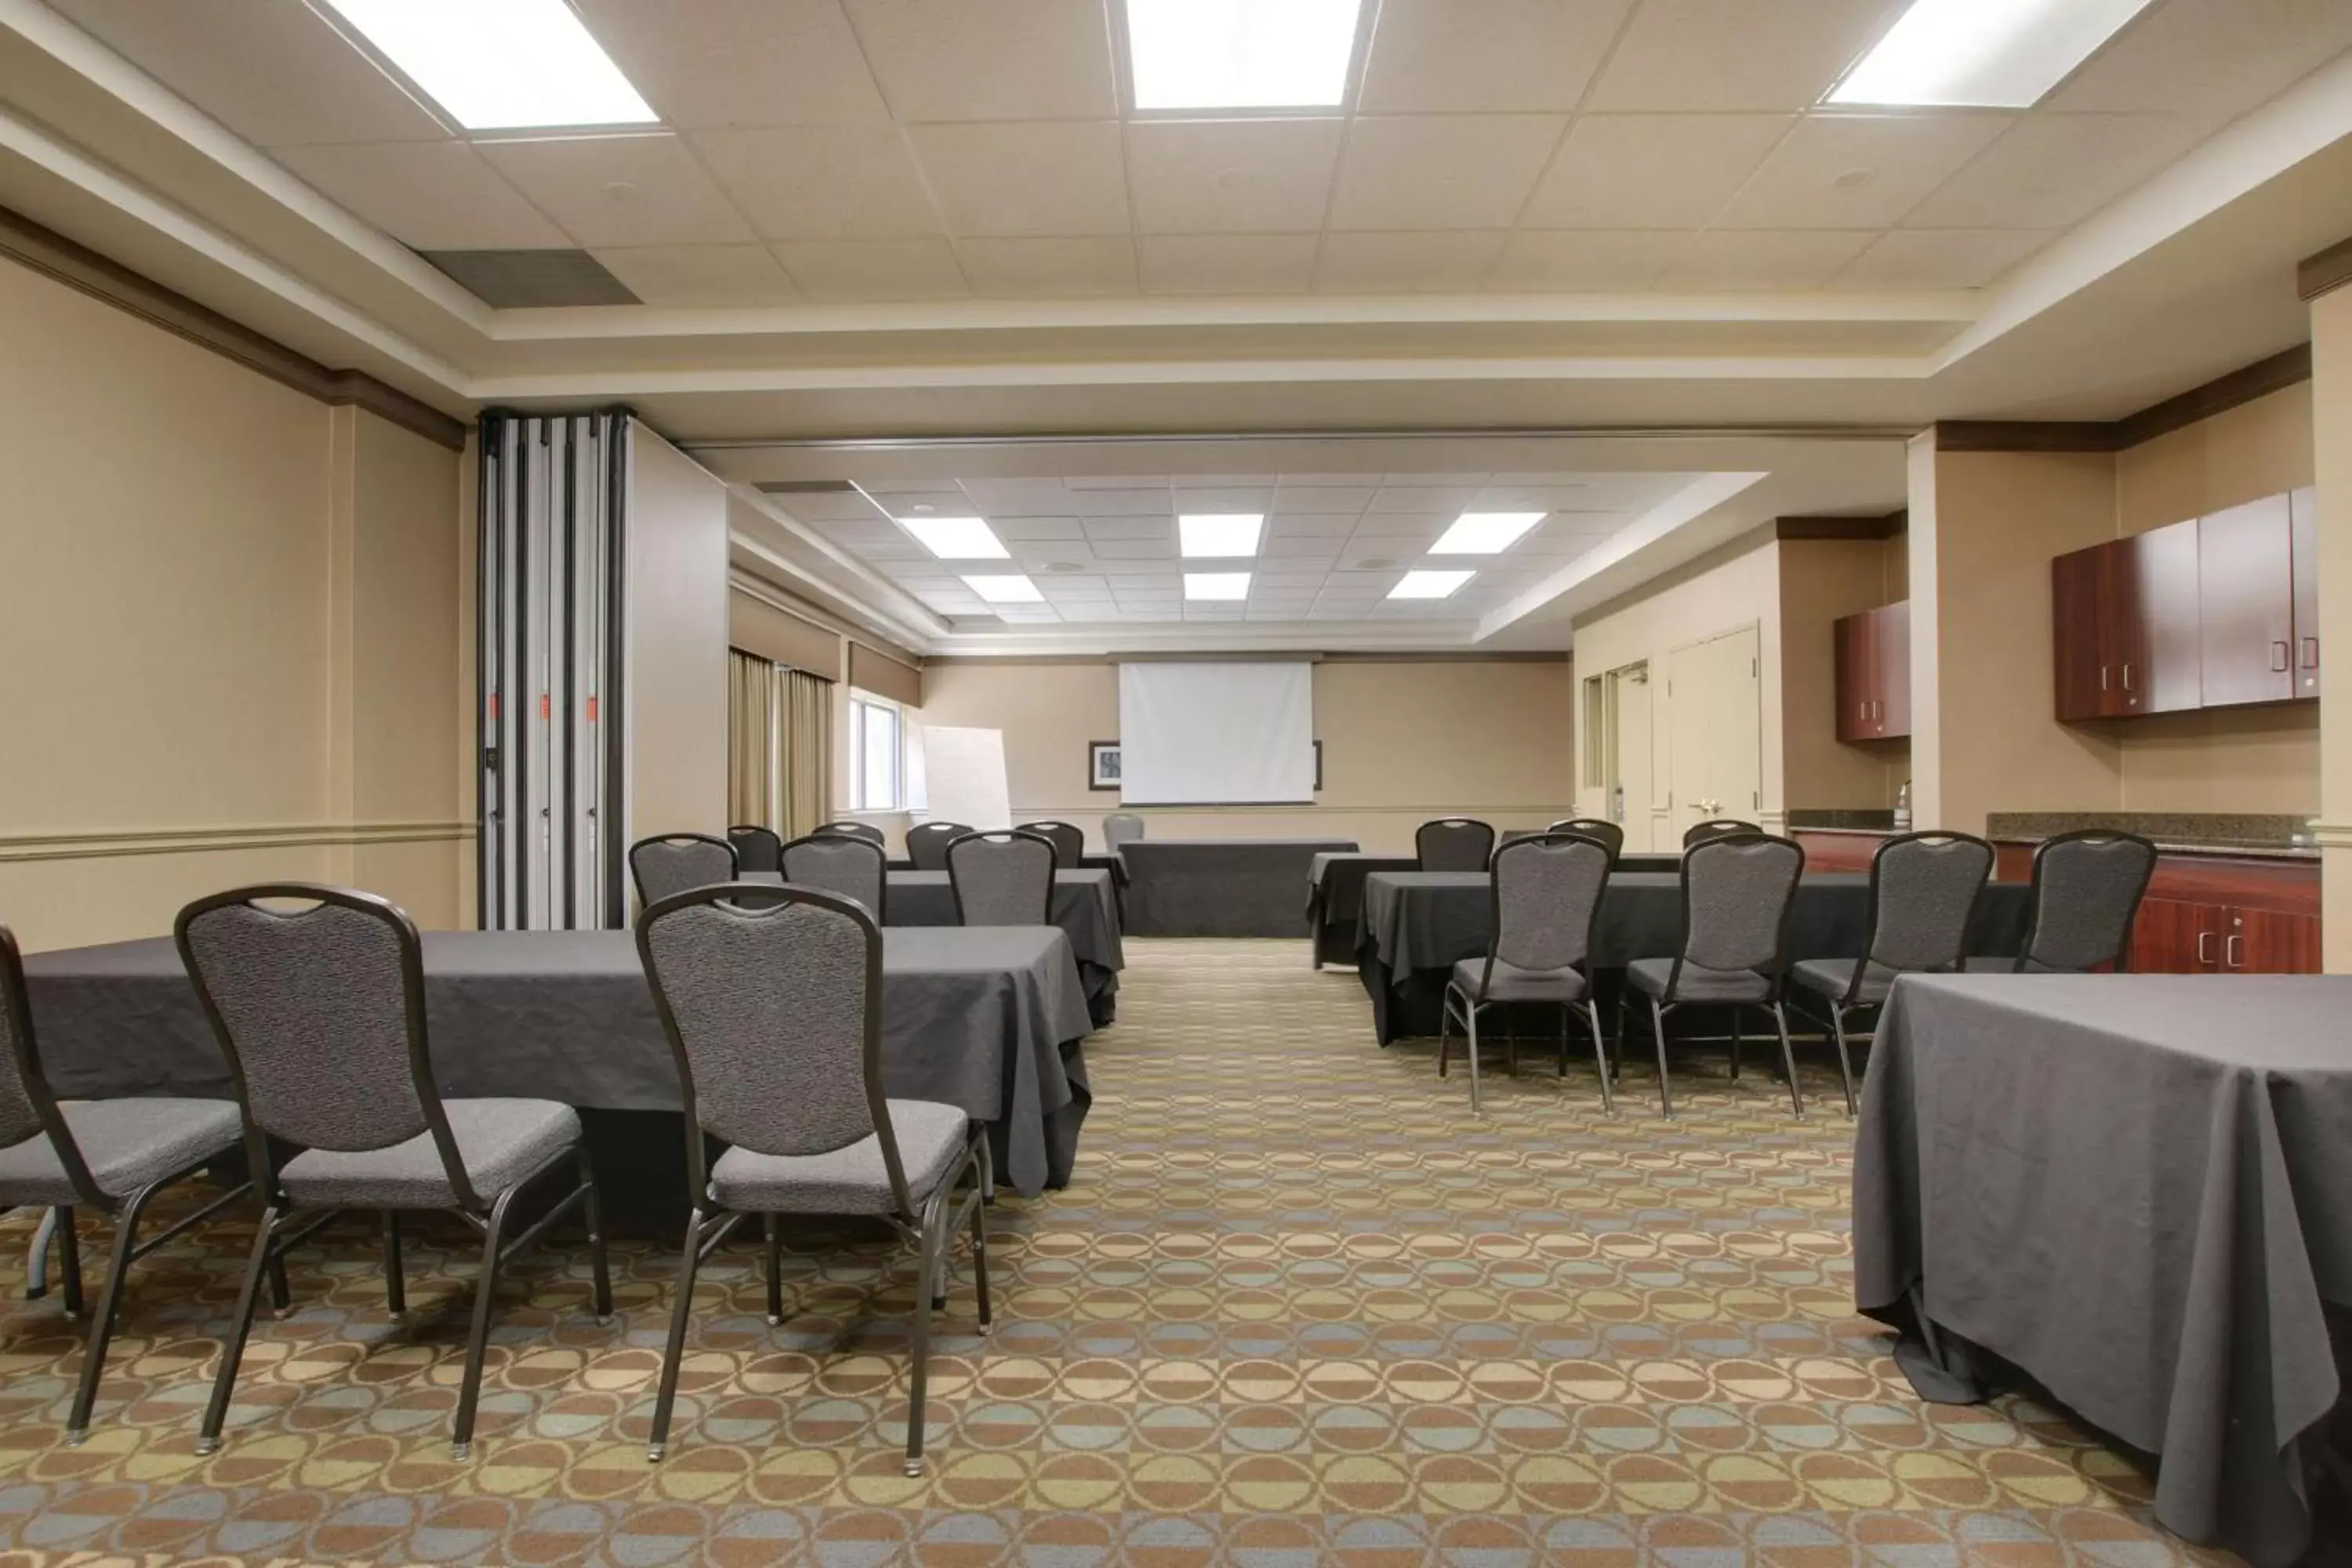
{"points": [[2175, 833]]}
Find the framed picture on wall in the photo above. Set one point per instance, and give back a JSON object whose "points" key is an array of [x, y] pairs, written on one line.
{"points": [[1102, 765]]}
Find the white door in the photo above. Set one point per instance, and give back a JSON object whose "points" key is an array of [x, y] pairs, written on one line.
{"points": [[1716, 730], [1631, 768]]}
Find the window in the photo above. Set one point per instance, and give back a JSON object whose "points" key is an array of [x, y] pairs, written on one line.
{"points": [[877, 754]]}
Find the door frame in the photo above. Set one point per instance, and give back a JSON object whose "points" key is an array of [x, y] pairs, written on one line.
{"points": [[1756, 628]]}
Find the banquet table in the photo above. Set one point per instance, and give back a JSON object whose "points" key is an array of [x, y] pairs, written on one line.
{"points": [[1416, 924], [991, 1018], [1218, 887], [1335, 892], [2132, 1189]]}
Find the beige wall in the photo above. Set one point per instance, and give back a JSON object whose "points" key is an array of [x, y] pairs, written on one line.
{"points": [[227, 614], [676, 641], [1822, 580], [1402, 741], [2331, 341]]}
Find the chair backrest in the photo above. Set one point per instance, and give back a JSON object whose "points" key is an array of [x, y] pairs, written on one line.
{"points": [[2086, 891], [319, 1010], [1736, 892], [1003, 879], [927, 843], [1546, 900], [773, 1004], [27, 1109], [1069, 841], [1454, 844], [1607, 832], [1923, 892], [756, 847], [836, 863], [1720, 827], [1122, 827], [673, 862], [865, 830]]}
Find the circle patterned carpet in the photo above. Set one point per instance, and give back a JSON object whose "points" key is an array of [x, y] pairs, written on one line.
{"points": [[1297, 1306]]}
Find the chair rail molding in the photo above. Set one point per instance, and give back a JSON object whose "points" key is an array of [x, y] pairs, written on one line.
{"points": [[98, 843]]}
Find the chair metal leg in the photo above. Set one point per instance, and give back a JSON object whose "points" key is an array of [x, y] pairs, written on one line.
{"points": [[101, 1324], [1617, 1038], [980, 1245], [281, 1294], [1846, 1061], [666, 1394], [395, 1287], [265, 1243], [1738, 1039], [775, 1248], [1789, 1060], [1600, 1058], [1471, 1028], [600, 1266], [69, 1260], [1445, 1028], [477, 1339], [1565, 1009], [918, 1377], [1665, 1088], [1510, 1042]]}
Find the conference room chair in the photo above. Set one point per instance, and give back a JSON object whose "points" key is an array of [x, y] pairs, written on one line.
{"points": [[320, 1011], [2087, 886], [1546, 903], [673, 862], [109, 1156], [865, 830], [1736, 893], [1720, 827], [1454, 844], [1003, 879], [1122, 827], [756, 847], [774, 1014], [835, 863], [927, 843], [1069, 841], [1607, 833], [1923, 892]]}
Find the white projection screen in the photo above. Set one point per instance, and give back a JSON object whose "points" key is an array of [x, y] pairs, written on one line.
{"points": [[1216, 734]]}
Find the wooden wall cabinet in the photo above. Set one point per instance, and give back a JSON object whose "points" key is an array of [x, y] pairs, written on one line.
{"points": [[1873, 674]]}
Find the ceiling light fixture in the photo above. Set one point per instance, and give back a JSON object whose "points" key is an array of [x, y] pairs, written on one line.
{"points": [[501, 65], [957, 538], [1429, 585], [1220, 533], [1484, 532], [1240, 54], [1008, 590], [1216, 584], [1982, 54]]}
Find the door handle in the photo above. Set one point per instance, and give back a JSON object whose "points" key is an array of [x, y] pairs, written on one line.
{"points": [[2311, 653], [2204, 947], [2280, 658], [2231, 950], [2127, 685]]}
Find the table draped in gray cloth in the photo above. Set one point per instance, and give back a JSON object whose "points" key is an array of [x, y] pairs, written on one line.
{"points": [[2136, 1189], [989, 1019], [1218, 887], [1416, 924], [1335, 899]]}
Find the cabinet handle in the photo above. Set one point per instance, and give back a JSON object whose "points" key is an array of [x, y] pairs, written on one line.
{"points": [[2231, 950], [2204, 947], [2280, 658], [2103, 678], [2311, 653], [2127, 685]]}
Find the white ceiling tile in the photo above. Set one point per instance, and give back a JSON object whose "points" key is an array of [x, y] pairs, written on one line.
{"points": [[1051, 178], [1858, 171], [1320, 524], [1738, 54], [1115, 481], [1651, 171], [1101, 504], [1001, 59], [821, 181], [1458, 55], [274, 71], [1405, 263], [434, 195], [1605, 260], [1074, 585], [704, 63], [1162, 527], [1310, 480], [2208, 58], [620, 190], [2051, 171], [1052, 268], [1424, 497], [1039, 530], [1941, 258], [1227, 263], [1441, 172], [1303, 551], [846, 269], [825, 506], [1199, 498], [690, 275], [1764, 258], [1231, 177]]}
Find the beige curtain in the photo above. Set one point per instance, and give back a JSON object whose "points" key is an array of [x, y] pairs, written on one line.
{"points": [[804, 752], [753, 796]]}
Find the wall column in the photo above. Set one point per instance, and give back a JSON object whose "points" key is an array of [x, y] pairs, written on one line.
{"points": [[2331, 417]]}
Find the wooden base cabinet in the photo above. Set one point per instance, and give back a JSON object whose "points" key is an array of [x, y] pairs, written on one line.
{"points": [[2213, 916]]}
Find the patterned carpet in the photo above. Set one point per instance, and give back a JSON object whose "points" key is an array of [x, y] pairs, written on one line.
{"points": [[1298, 1306]]}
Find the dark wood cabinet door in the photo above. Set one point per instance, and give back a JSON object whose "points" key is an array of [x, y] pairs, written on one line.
{"points": [[1891, 662], [2080, 673], [2302, 528], [1853, 634], [2161, 661], [2265, 942], [2171, 936], [2246, 599]]}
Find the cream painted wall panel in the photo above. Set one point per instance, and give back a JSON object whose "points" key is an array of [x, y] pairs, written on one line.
{"points": [[1821, 579], [93, 898], [2331, 342], [676, 641], [2242, 454]]}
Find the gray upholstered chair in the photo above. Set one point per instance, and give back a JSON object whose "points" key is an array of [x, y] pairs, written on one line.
{"points": [[865, 830], [755, 847], [1717, 827], [1594, 828], [1923, 893], [1454, 844], [2086, 890], [836, 863], [1546, 903], [1003, 879], [927, 843], [320, 1011], [773, 1012], [1736, 893], [1120, 828], [110, 1156], [673, 862], [1068, 839]]}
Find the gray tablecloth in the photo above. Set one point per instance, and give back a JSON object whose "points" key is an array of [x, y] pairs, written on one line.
{"points": [[2137, 1189], [1335, 899], [1218, 887], [986, 1017]]}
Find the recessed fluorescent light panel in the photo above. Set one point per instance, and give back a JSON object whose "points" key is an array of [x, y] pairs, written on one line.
{"points": [[1220, 533], [956, 538], [1240, 54], [1484, 532], [501, 65], [1216, 584], [1429, 585], [1982, 54], [1008, 590]]}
